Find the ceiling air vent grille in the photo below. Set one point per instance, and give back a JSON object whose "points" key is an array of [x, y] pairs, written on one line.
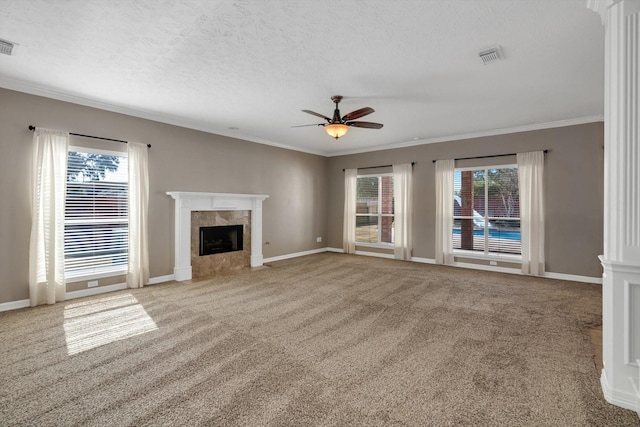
{"points": [[490, 55], [6, 47]]}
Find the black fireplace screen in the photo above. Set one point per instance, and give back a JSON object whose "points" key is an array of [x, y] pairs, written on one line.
{"points": [[224, 238]]}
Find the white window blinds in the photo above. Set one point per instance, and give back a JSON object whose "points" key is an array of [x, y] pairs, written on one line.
{"points": [[96, 214]]}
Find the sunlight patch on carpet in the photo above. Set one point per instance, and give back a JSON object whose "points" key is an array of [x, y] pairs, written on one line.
{"points": [[94, 323]]}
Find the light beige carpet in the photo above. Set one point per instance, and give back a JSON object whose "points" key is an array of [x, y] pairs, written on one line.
{"points": [[328, 339]]}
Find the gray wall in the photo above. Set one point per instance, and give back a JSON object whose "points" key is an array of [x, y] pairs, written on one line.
{"points": [[180, 159], [574, 171], [306, 191]]}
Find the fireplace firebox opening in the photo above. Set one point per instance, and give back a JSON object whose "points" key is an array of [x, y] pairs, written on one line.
{"points": [[220, 239]]}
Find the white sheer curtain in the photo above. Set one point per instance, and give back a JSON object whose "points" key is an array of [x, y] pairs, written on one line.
{"points": [[349, 222], [403, 208], [138, 269], [49, 184], [531, 182], [444, 211]]}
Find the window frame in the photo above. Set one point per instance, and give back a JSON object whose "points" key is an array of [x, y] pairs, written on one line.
{"points": [[486, 254], [379, 215], [119, 270]]}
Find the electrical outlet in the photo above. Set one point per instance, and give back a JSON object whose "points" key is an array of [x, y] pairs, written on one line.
{"points": [[318, 239], [92, 284]]}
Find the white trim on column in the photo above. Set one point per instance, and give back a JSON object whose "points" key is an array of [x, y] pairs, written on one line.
{"points": [[616, 396], [636, 389], [621, 258], [631, 323], [186, 202]]}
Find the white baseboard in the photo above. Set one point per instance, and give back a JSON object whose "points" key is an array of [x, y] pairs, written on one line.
{"points": [[574, 278], [161, 279], [549, 275], [24, 303], [317, 251], [618, 397], [295, 255], [14, 305], [423, 260]]}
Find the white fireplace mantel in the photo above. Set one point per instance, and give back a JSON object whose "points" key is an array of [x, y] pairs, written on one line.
{"points": [[186, 202]]}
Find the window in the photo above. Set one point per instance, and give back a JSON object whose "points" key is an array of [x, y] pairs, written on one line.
{"points": [[374, 209], [486, 210], [96, 230]]}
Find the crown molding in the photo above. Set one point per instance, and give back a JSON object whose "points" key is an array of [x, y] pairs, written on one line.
{"points": [[21, 86], [493, 132], [31, 89]]}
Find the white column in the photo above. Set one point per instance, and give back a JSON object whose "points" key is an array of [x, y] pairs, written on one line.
{"points": [[621, 258]]}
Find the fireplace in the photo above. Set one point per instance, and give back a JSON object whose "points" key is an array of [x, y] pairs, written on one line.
{"points": [[226, 209], [220, 239]]}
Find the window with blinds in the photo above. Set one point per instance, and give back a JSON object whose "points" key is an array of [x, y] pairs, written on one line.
{"points": [[96, 229], [374, 209], [486, 209]]}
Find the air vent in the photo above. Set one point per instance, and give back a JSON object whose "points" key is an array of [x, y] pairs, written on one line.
{"points": [[6, 47], [490, 55]]}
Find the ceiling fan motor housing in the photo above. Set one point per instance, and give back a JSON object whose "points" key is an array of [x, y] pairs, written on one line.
{"points": [[336, 112]]}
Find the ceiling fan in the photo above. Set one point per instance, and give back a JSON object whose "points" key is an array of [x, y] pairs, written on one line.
{"points": [[339, 126]]}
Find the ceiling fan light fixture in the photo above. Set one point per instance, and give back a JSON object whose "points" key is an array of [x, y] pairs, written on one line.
{"points": [[339, 125], [336, 130]]}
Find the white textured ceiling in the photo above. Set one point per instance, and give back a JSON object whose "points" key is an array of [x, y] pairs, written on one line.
{"points": [[254, 64]]}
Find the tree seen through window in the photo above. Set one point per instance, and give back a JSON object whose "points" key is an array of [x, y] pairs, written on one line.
{"points": [[487, 210]]}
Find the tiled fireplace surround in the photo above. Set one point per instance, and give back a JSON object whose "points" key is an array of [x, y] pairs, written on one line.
{"points": [[194, 210], [206, 265]]}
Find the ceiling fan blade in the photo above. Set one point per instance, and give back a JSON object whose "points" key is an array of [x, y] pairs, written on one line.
{"points": [[313, 113], [357, 114], [368, 125], [301, 126]]}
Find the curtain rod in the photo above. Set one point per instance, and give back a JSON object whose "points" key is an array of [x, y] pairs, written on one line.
{"points": [[486, 157], [32, 128], [376, 167]]}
